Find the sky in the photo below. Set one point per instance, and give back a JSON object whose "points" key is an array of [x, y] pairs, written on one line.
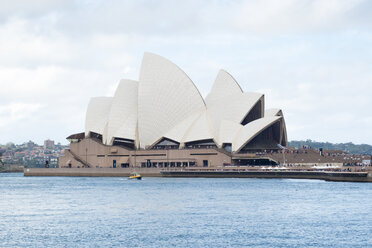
{"points": [[312, 59]]}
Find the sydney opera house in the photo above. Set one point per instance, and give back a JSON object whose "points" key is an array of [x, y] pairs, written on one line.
{"points": [[162, 120]]}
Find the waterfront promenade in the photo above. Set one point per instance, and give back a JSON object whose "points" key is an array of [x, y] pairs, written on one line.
{"points": [[91, 172], [203, 172]]}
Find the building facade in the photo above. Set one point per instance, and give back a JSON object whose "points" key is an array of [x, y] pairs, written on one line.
{"points": [[48, 144]]}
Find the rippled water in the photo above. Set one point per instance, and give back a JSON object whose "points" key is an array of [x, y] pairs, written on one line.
{"points": [[197, 212]]}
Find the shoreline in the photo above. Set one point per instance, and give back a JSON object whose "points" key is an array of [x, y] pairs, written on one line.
{"points": [[12, 170], [320, 175], [206, 173]]}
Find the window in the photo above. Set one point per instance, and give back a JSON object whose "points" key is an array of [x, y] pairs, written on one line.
{"points": [[205, 163], [124, 165]]}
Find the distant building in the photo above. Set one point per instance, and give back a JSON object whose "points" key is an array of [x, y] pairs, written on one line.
{"points": [[30, 145], [48, 144]]}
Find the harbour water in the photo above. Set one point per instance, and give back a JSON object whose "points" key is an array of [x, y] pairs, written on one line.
{"points": [[183, 212]]}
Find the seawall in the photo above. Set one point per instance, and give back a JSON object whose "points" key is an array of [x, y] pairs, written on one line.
{"points": [[10, 168], [157, 172], [91, 172], [322, 175]]}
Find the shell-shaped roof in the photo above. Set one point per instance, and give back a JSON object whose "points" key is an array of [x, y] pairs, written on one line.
{"points": [[166, 95], [279, 112], [165, 103], [199, 130], [122, 119], [224, 85], [233, 108], [273, 112], [227, 131], [178, 132], [97, 114], [251, 130]]}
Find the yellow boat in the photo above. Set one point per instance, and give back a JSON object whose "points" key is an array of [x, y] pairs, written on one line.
{"points": [[135, 175]]}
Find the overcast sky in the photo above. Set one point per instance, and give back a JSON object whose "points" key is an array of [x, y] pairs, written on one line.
{"points": [[313, 59]]}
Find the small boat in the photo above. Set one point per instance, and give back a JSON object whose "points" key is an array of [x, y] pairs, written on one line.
{"points": [[135, 175]]}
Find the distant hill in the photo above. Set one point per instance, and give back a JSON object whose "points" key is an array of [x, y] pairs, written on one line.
{"points": [[348, 147]]}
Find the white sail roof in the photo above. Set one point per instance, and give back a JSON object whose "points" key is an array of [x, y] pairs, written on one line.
{"points": [[232, 108], [224, 85], [97, 115], [178, 132], [283, 134], [251, 130], [166, 95], [273, 112], [166, 104], [123, 112], [227, 131], [199, 130]]}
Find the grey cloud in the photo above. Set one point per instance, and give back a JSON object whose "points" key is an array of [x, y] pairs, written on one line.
{"points": [[58, 54], [144, 17], [25, 9]]}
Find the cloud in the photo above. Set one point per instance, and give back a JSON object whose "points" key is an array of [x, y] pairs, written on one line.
{"points": [[165, 17], [294, 15], [312, 58], [31, 9], [16, 112]]}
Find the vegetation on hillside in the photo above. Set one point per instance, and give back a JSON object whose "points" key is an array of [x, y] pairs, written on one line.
{"points": [[348, 147]]}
